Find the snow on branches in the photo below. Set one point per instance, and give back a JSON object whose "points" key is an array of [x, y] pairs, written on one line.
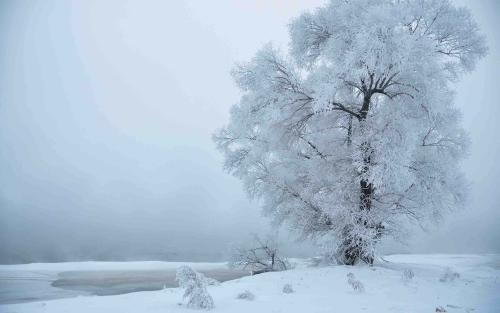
{"points": [[195, 285], [260, 257], [355, 132]]}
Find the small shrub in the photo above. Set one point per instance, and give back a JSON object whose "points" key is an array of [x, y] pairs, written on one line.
{"points": [[287, 288], [440, 309], [449, 276], [356, 285], [246, 295], [407, 275], [260, 256]]}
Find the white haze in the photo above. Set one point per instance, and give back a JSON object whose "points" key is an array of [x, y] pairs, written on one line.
{"points": [[106, 115]]}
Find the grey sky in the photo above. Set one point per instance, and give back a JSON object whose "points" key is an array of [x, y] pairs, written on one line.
{"points": [[106, 115]]}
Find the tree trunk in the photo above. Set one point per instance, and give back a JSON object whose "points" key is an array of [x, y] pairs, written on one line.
{"points": [[353, 248]]}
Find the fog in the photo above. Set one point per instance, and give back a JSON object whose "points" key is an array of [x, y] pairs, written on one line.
{"points": [[106, 115]]}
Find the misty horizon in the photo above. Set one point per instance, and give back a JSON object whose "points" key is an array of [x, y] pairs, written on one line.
{"points": [[107, 111]]}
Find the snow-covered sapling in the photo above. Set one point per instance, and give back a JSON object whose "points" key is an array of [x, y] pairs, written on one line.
{"points": [[355, 130], [260, 256], [195, 285], [407, 275], [449, 275], [246, 295], [356, 285], [287, 288]]}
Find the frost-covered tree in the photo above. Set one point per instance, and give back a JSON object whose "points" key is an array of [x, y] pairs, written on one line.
{"points": [[355, 129], [195, 285]]}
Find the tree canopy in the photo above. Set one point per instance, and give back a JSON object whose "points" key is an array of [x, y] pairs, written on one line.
{"points": [[355, 129]]}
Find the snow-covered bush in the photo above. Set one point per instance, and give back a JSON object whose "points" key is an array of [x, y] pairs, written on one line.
{"points": [[449, 275], [246, 295], [407, 275], [259, 257], [196, 291], [356, 285], [287, 288], [440, 309]]}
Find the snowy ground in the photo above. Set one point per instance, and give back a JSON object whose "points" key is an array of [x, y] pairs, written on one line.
{"points": [[324, 289]]}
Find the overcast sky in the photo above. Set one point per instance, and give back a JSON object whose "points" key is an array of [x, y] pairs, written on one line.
{"points": [[106, 115]]}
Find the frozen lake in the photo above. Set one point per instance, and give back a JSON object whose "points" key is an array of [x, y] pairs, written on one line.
{"points": [[38, 282]]}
